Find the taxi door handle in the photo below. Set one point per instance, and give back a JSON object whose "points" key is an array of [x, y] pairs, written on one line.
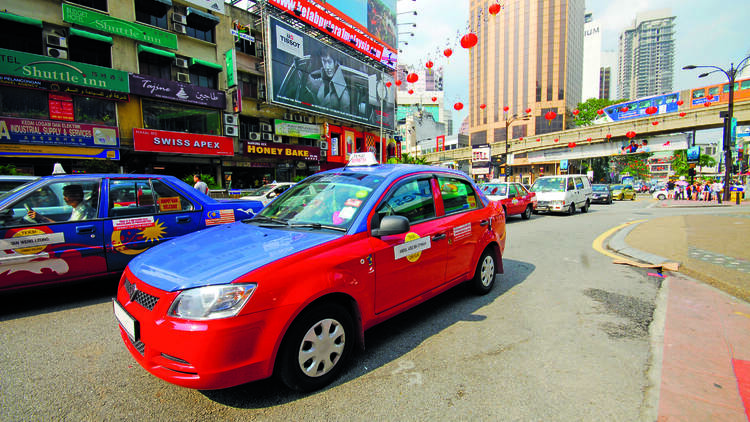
{"points": [[437, 237], [183, 219], [484, 223], [85, 229]]}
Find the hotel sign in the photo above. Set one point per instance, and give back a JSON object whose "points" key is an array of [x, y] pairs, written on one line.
{"points": [[34, 66], [123, 28]]}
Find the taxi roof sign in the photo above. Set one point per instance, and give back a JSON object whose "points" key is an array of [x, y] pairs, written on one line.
{"points": [[359, 159]]}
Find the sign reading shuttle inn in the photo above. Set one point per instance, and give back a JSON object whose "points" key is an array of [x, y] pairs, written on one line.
{"points": [[123, 28], [35, 66]]}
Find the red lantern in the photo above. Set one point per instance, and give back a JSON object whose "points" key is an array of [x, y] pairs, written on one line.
{"points": [[411, 91], [550, 116], [707, 104], [557, 140], [575, 112], [588, 140], [654, 123], [679, 102], [429, 64], [600, 112], [528, 110], [398, 82], [651, 110], [539, 139], [494, 9], [469, 40], [571, 144], [434, 99], [447, 52], [666, 144], [506, 108], [682, 114], [624, 109], [412, 77], [521, 138], [630, 134], [482, 106], [458, 106], [609, 136], [388, 84]]}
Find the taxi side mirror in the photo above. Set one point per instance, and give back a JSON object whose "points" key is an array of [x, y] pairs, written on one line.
{"points": [[392, 224]]}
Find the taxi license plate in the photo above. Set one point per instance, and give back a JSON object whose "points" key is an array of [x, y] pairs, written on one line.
{"points": [[127, 322]]}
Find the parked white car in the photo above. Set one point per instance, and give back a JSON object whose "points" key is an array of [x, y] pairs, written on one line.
{"points": [[562, 193], [268, 193]]}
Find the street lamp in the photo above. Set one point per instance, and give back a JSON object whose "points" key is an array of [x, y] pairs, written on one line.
{"points": [[508, 122], [730, 74]]}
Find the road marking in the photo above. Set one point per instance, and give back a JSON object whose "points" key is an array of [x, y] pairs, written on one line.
{"points": [[597, 244], [742, 314]]}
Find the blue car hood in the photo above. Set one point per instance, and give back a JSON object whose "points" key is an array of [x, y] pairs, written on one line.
{"points": [[219, 255]]}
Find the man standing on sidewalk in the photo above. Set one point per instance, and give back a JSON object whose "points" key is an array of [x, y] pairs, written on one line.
{"points": [[716, 188], [200, 185]]}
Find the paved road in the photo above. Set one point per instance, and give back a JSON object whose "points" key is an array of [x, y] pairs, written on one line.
{"points": [[564, 336]]}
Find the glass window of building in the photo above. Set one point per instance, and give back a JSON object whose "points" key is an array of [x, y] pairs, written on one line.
{"points": [[21, 37], [94, 4], [152, 12], [180, 118]]}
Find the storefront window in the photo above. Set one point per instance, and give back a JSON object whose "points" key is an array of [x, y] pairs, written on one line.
{"points": [[94, 111], [17, 102], [181, 118]]}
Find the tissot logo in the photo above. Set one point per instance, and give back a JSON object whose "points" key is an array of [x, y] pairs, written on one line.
{"points": [[289, 42]]}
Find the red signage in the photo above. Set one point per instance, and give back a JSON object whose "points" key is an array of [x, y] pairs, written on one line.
{"points": [[285, 151], [332, 25], [440, 141], [61, 107], [181, 143]]}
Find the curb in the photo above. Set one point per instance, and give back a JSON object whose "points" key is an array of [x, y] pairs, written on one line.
{"points": [[617, 244]]}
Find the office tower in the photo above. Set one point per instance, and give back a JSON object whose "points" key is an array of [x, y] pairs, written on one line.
{"points": [[592, 58]]}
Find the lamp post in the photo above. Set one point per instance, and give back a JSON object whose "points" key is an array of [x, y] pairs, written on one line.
{"points": [[730, 74], [508, 122]]}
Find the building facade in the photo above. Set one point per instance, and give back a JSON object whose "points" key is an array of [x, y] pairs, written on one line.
{"points": [[529, 59], [646, 56], [593, 73]]}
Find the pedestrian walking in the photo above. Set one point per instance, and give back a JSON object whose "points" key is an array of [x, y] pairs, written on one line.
{"points": [[200, 185], [716, 188]]}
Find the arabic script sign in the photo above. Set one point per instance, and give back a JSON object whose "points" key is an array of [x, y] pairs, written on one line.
{"points": [[147, 86]]}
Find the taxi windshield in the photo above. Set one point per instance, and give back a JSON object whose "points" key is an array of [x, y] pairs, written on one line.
{"points": [[261, 190], [326, 201], [495, 189]]}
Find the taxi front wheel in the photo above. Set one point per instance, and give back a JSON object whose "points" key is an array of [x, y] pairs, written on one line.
{"points": [[484, 276], [316, 347]]}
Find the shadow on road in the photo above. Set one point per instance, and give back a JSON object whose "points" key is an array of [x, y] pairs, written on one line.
{"points": [[388, 341]]}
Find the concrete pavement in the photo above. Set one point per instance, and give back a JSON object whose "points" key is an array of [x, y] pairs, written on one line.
{"points": [[704, 370]]}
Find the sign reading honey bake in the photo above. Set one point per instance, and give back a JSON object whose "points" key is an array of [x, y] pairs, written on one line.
{"points": [[282, 151]]}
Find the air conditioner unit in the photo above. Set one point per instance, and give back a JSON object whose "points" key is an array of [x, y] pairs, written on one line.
{"points": [[231, 130], [297, 117], [278, 138], [323, 145], [178, 27], [231, 119], [254, 136], [178, 18], [56, 41], [288, 116], [183, 77], [267, 136], [265, 127], [183, 63], [308, 119], [58, 53]]}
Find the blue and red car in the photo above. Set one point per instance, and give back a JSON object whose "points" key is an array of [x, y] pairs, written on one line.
{"points": [[127, 215], [291, 291]]}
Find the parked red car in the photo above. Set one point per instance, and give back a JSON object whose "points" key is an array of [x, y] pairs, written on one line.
{"points": [[515, 198]]}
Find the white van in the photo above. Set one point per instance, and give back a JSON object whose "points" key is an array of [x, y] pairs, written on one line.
{"points": [[562, 193]]}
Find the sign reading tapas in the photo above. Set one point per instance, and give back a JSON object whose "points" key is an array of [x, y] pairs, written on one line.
{"points": [[285, 151], [181, 143]]}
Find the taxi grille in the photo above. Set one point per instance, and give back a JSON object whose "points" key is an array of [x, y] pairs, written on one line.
{"points": [[144, 299], [139, 346]]}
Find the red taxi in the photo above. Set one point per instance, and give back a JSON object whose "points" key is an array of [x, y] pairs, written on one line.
{"points": [[514, 197], [291, 291]]}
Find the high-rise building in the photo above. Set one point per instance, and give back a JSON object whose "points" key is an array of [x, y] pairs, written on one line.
{"points": [[608, 75], [529, 57], [592, 58], [646, 55]]}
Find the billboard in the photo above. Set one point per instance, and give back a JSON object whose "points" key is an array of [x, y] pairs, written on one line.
{"points": [[310, 75], [377, 16]]}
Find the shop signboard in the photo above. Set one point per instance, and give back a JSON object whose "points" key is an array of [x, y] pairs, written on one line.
{"points": [[19, 82], [299, 130], [282, 151], [105, 23], [48, 132], [147, 86], [40, 151], [181, 143], [310, 75], [378, 17], [480, 154]]}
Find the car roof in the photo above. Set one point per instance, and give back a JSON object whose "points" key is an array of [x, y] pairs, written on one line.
{"points": [[394, 171]]}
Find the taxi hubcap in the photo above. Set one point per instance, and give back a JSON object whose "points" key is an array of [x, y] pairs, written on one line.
{"points": [[322, 347], [488, 270]]}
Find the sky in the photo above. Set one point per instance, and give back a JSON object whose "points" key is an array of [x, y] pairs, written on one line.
{"points": [[709, 32]]}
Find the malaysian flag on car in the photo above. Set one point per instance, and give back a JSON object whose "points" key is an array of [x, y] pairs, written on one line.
{"points": [[219, 217]]}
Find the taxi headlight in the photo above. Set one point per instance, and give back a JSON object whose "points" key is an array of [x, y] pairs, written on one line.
{"points": [[212, 302], [557, 203]]}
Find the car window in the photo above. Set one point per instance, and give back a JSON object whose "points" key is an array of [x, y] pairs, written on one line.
{"points": [[458, 195], [167, 199], [521, 190], [412, 199], [571, 186], [549, 184], [579, 183], [130, 198], [55, 202], [512, 191]]}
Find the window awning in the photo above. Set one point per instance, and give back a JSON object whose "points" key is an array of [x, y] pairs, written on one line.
{"points": [[21, 19], [208, 65], [90, 35], [201, 20], [155, 51]]}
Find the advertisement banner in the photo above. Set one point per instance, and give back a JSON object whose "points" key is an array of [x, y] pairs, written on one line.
{"points": [[440, 143], [181, 143], [313, 76], [48, 132], [332, 25], [282, 151], [35, 66], [378, 17], [300, 130], [147, 86], [19, 82], [40, 151], [105, 23], [480, 154]]}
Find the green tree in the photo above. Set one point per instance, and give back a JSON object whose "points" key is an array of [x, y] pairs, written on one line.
{"points": [[635, 165], [207, 178], [680, 165], [406, 158], [587, 110], [9, 169]]}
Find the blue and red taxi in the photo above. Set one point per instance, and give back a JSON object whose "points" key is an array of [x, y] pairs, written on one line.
{"points": [[68, 227], [291, 291], [515, 198]]}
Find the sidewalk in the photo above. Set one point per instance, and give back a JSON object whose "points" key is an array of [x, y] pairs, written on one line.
{"points": [[704, 370]]}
